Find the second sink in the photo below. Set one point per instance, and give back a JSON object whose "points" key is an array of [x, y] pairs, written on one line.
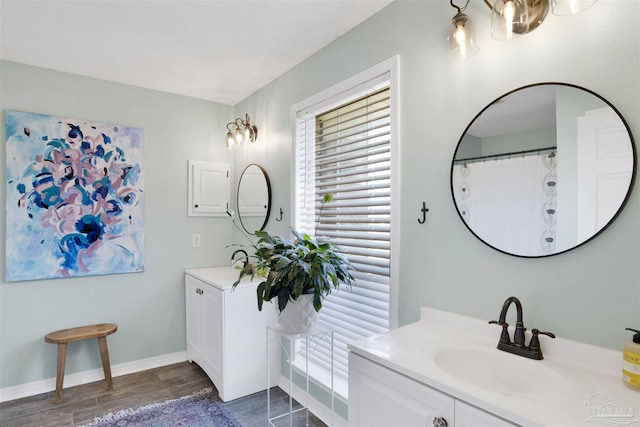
{"points": [[501, 372]]}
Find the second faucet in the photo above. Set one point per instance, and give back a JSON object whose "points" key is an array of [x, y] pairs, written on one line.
{"points": [[533, 351]]}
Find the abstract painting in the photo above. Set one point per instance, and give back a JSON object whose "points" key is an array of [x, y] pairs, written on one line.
{"points": [[75, 200]]}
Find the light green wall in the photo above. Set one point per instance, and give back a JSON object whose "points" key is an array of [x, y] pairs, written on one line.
{"points": [[532, 139], [590, 294], [148, 307]]}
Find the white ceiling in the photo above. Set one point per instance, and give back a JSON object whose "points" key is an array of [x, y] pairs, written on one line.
{"points": [[504, 117], [218, 50]]}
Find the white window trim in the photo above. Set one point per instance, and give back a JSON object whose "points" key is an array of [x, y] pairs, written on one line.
{"points": [[349, 87]]}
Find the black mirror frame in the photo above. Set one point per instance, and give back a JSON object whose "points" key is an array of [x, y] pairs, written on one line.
{"points": [[613, 218], [268, 182]]}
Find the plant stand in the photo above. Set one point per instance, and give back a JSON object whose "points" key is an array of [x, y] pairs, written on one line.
{"points": [[287, 347]]}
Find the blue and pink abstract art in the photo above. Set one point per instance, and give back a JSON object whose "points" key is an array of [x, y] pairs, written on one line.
{"points": [[75, 200]]}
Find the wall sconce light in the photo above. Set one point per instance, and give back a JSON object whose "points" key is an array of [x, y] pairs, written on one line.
{"points": [[509, 19], [461, 37], [239, 131]]}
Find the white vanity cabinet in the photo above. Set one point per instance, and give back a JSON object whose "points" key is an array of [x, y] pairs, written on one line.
{"points": [[381, 397], [446, 367], [226, 334]]}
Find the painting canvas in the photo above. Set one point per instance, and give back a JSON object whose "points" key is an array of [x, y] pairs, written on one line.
{"points": [[75, 200]]}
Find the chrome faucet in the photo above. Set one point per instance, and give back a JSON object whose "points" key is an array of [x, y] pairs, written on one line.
{"points": [[533, 350], [245, 261]]}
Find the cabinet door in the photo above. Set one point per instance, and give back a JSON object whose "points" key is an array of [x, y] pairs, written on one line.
{"points": [[209, 188], [194, 318], [379, 397], [213, 330], [470, 416], [253, 193]]}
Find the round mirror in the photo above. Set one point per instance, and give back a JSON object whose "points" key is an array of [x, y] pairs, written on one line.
{"points": [[254, 198], [543, 169]]}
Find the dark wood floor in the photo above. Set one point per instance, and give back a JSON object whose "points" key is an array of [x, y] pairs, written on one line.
{"points": [[81, 404]]}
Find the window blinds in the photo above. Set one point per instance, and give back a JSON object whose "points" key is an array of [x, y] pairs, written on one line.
{"points": [[347, 151]]}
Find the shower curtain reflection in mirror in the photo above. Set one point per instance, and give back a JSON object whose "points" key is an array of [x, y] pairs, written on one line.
{"points": [[510, 202]]}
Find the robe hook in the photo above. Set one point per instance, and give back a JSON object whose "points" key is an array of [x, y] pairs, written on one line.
{"points": [[424, 211], [280, 219]]}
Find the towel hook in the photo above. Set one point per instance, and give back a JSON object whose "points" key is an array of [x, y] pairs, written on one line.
{"points": [[424, 211], [280, 219]]}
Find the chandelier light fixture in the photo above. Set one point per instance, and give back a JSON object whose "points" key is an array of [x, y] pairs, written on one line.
{"points": [[239, 131], [509, 19]]}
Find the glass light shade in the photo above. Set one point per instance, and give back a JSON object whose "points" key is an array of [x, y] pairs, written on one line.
{"points": [[239, 131], [509, 19], [462, 41], [570, 7]]}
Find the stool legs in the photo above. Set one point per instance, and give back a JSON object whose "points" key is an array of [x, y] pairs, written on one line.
{"points": [[62, 359], [106, 366]]}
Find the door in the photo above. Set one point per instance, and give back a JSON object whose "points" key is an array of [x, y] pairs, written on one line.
{"points": [[194, 318], [213, 334], [605, 168]]}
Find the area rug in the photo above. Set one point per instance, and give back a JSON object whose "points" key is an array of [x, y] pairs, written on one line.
{"points": [[202, 409]]}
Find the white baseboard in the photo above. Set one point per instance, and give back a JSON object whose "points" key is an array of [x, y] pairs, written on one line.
{"points": [[78, 378], [317, 408]]}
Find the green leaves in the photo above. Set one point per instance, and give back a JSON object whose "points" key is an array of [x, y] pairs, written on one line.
{"points": [[292, 268], [260, 293], [304, 265]]}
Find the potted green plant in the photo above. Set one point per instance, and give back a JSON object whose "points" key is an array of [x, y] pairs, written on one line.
{"points": [[305, 268]]}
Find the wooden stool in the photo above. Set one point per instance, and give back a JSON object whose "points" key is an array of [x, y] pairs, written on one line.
{"points": [[64, 336]]}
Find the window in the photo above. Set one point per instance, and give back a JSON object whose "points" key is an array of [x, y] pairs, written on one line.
{"points": [[344, 146]]}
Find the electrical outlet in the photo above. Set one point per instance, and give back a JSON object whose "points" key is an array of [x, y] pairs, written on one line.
{"points": [[195, 240]]}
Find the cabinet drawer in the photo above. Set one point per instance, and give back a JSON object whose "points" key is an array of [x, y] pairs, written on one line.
{"points": [[470, 416], [379, 397]]}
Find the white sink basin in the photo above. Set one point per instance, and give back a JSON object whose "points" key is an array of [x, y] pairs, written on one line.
{"points": [[500, 372]]}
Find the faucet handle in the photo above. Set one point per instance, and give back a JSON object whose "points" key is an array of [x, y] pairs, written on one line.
{"points": [[504, 336], [534, 344]]}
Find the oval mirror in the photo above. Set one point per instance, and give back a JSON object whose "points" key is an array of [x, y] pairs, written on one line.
{"points": [[254, 198], [543, 169]]}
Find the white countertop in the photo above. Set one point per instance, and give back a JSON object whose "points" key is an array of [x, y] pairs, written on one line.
{"points": [[221, 277], [583, 388]]}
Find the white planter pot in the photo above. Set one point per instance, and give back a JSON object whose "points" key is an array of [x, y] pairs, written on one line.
{"points": [[298, 316]]}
